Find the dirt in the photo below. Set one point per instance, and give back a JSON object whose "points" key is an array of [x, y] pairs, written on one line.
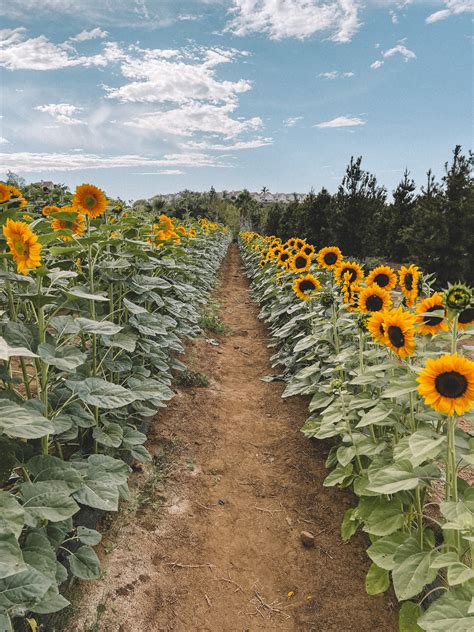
{"points": [[211, 540]]}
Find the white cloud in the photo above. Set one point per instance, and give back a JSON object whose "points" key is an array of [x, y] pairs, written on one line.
{"points": [[341, 121], [453, 7], [400, 49], [291, 121], [377, 64], [196, 117], [62, 112], [29, 162], [163, 172], [4, 141], [281, 19], [84, 36], [335, 74], [238, 145]]}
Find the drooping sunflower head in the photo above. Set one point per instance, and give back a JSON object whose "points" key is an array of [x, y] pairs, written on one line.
{"points": [[458, 297], [447, 384], [89, 200], [305, 286], [356, 273], [376, 327], [23, 244], [431, 314], [466, 317], [399, 332], [374, 299], [48, 210], [326, 297], [182, 230], [383, 276], [5, 193], [300, 262], [351, 293], [329, 257], [77, 225], [308, 250]]}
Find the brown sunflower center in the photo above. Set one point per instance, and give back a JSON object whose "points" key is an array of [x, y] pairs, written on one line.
{"points": [[90, 201], [409, 281], [451, 384], [307, 285], [382, 279], [284, 256], [330, 258], [432, 321], [300, 262], [466, 316], [374, 303], [396, 336], [307, 250]]}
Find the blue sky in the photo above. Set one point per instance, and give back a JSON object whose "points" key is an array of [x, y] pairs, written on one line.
{"points": [[149, 96]]}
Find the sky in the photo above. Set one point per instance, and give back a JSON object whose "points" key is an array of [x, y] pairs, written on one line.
{"points": [[142, 97]]}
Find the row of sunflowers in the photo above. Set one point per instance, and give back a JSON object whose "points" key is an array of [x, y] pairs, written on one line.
{"points": [[383, 358], [94, 305]]}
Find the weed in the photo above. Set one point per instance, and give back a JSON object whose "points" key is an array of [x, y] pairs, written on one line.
{"points": [[191, 377], [209, 319]]}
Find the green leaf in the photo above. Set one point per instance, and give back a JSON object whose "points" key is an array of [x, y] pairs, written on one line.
{"points": [[52, 602], [23, 589], [23, 423], [409, 614], [110, 435], [393, 478], [425, 444], [88, 536], [349, 525], [124, 340], [377, 580], [458, 515], [338, 475], [66, 358], [19, 335], [374, 416], [44, 468], [103, 327], [48, 500], [84, 563], [81, 292], [412, 575], [11, 512], [401, 387], [459, 574], [11, 558], [98, 392], [449, 613], [385, 518], [382, 551]]}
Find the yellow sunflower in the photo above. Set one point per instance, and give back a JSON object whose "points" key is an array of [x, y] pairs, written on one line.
{"points": [[376, 327], [447, 384], [5, 193], [90, 200], [399, 332], [300, 262], [262, 263], [466, 318], [351, 292], [291, 242], [383, 276], [191, 233], [374, 299], [304, 286], [409, 278], [16, 193], [24, 245], [50, 209], [356, 273], [274, 252], [308, 250], [275, 243], [181, 229], [77, 226], [431, 324], [284, 258], [299, 243], [329, 257]]}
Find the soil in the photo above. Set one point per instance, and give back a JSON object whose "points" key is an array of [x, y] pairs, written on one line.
{"points": [[211, 540]]}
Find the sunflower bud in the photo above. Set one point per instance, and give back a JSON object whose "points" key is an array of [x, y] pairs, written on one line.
{"points": [[326, 298], [458, 297]]}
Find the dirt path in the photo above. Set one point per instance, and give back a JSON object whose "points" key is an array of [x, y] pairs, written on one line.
{"points": [[177, 560]]}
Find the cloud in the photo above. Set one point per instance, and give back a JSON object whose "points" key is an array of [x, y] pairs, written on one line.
{"points": [[84, 36], [298, 19], [341, 121], [377, 64], [4, 141], [400, 49], [291, 121], [236, 146], [453, 7], [29, 162], [62, 112], [335, 74], [196, 117], [163, 172]]}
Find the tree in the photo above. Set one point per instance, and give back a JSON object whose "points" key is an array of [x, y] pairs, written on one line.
{"points": [[399, 218]]}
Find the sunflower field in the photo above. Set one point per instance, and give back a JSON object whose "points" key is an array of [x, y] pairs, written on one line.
{"points": [[95, 302], [384, 361]]}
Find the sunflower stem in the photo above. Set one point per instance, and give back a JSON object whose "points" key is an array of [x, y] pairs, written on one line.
{"points": [[451, 492], [454, 337], [43, 372]]}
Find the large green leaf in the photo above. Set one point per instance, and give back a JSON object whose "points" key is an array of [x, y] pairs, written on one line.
{"points": [[22, 423], [81, 292], [449, 613], [377, 580], [50, 468], [103, 327], [382, 551], [393, 478], [11, 512], [123, 340], [23, 589], [19, 335], [98, 392], [48, 500], [109, 434], [409, 614], [84, 563], [413, 573], [385, 518], [11, 559], [66, 358]]}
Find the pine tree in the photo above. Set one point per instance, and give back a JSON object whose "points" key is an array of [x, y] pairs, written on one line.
{"points": [[399, 218]]}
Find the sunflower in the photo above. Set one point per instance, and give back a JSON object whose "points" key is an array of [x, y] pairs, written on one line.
{"points": [[77, 226], [283, 258], [329, 257], [374, 299], [431, 324], [308, 250], [299, 243], [399, 332], [466, 318], [191, 233], [355, 272], [383, 276], [447, 384], [50, 209], [5, 193], [409, 278], [274, 253], [458, 297], [181, 229], [351, 293], [90, 200], [24, 245], [300, 262], [275, 243], [262, 263], [291, 242], [305, 285], [16, 193], [376, 326]]}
